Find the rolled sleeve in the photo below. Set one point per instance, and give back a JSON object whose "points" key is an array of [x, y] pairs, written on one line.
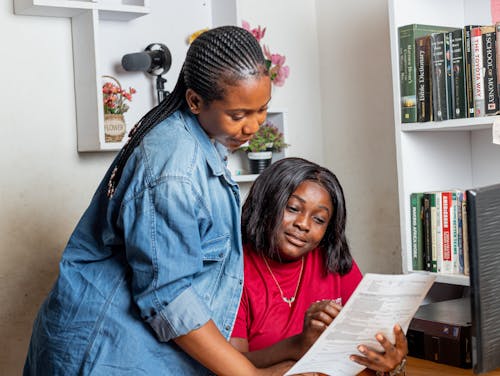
{"points": [[182, 315]]}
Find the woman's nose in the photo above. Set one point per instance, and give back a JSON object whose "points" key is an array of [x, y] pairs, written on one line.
{"points": [[302, 222], [251, 126]]}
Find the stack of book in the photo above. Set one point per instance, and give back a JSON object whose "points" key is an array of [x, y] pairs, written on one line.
{"points": [[448, 73], [439, 240]]}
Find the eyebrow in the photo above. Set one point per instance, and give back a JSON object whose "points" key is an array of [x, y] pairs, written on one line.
{"points": [[246, 109]]}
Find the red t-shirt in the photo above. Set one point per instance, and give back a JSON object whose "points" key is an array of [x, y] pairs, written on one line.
{"points": [[264, 318]]}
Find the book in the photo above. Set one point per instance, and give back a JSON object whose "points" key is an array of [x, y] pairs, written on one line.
{"points": [[497, 32], [416, 231], [438, 69], [488, 34], [454, 232], [457, 78], [423, 57], [446, 252], [407, 75], [465, 235], [435, 202], [460, 236], [468, 69], [477, 71], [426, 231]]}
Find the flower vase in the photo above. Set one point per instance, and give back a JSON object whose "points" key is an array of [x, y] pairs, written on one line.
{"points": [[114, 127]]}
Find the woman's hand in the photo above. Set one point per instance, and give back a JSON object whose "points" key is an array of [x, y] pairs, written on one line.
{"points": [[387, 360], [318, 316]]}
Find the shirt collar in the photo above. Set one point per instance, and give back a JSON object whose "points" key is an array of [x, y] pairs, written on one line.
{"points": [[214, 151]]}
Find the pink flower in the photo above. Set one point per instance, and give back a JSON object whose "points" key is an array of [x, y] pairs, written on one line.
{"points": [[278, 71], [258, 32]]}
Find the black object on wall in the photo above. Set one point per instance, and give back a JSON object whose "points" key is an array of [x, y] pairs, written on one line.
{"points": [[155, 60]]}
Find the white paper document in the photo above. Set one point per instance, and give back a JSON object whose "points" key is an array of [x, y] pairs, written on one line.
{"points": [[379, 302]]}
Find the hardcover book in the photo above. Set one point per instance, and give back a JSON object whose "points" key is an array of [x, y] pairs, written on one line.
{"points": [[407, 66], [426, 229], [423, 57], [468, 69], [458, 90], [488, 34], [446, 264], [439, 77], [477, 71], [416, 231]]}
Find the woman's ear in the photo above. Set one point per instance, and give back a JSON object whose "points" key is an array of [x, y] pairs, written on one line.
{"points": [[194, 101]]}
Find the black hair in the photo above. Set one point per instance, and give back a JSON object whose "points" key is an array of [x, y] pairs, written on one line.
{"points": [[267, 199], [218, 58]]}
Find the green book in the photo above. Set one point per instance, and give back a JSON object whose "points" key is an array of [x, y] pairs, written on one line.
{"points": [[407, 69], [417, 240]]}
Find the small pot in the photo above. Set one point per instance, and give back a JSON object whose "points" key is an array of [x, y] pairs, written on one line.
{"points": [[258, 161]]}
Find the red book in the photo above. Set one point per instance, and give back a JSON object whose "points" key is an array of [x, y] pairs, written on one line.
{"points": [[447, 266]]}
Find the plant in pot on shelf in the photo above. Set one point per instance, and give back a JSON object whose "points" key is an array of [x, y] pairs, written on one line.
{"points": [[260, 148], [114, 100]]}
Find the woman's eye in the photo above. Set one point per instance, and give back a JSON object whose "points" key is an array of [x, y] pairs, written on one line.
{"points": [[319, 220], [292, 209], [237, 117]]}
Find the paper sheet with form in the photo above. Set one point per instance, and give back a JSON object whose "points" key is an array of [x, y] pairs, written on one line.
{"points": [[378, 303]]}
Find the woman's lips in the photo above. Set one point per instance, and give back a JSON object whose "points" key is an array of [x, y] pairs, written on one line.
{"points": [[295, 240]]}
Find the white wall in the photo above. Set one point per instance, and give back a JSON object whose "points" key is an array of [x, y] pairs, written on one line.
{"points": [[356, 97], [46, 184]]}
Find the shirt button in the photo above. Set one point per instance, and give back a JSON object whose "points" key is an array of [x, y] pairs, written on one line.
{"points": [[225, 158], [228, 327]]}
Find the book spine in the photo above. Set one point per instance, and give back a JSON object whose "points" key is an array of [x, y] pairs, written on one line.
{"points": [[407, 74], [468, 70], [454, 233], [433, 231], [497, 35], [459, 100], [422, 57], [490, 76], [438, 74], [446, 266], [477, 71], [438, 233], [465, 235], [416, 231], [460, 239], [426, 230]]}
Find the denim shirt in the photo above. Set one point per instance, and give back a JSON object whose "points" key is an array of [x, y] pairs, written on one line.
{"points": [[157, 260]]}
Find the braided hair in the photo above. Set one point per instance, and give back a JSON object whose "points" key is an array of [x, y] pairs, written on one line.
{"points": [[218, 58]]}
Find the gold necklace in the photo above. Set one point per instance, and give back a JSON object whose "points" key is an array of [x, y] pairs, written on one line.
{"points": [[289, 301]]}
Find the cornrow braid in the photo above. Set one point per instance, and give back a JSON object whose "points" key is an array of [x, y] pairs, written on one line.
{"points": [[218, 58]]}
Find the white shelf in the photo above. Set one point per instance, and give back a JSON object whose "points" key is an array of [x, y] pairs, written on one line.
{"points": [[442, 155], [471, 124], [454, 279]]}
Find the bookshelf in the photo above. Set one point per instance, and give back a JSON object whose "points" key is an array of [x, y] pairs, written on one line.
{"points": [[439, 155]]}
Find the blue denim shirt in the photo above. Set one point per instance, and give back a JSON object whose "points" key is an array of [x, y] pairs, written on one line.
{"points": [[158, 260]]}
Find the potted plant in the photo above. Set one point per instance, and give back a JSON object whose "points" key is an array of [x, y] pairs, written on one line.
{"points": [[260, 148], [114, 98]]}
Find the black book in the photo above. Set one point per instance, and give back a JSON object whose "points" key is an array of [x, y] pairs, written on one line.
{"points": [[457, 79], [438, 74], [426, 227], [468, 69]]}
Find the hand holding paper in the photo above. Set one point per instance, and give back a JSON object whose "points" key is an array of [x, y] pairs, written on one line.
{"points": [[379, 302]]}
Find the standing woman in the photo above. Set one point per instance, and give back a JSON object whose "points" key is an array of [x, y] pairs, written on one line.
{"points": [[151, 278]]}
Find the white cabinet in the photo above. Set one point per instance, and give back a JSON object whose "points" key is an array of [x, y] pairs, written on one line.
{"points": [[439, 155]]}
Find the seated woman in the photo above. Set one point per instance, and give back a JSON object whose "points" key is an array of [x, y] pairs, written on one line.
{"points": [[298, 267]]}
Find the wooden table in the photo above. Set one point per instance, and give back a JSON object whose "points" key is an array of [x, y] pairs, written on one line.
{"points": [[420, 367]]}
